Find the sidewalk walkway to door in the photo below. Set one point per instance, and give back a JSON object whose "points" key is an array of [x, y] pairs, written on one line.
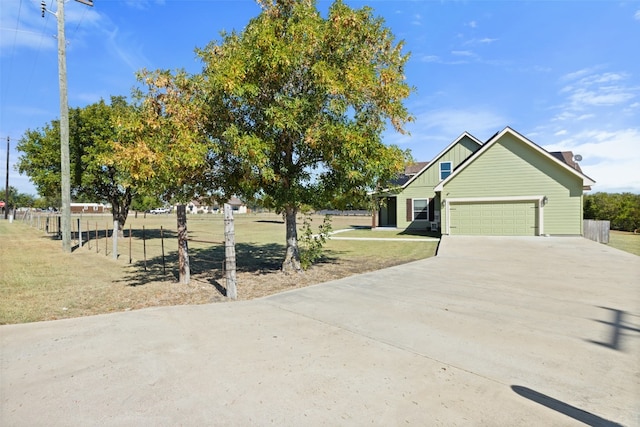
{"points": [[492, 331], [402, 239]]}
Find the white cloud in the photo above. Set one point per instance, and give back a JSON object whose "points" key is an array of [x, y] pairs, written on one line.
{"points": [[587, 89], [463, 53], [637, 15], [603, 78], [485, 40], [126, 49], [429, 58], [578, 74], [435, 129], [602, 96], [82, 15], [597, 117], [611, 158], [143, 4], [22, 25]]}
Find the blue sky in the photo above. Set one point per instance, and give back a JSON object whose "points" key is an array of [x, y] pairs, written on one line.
{"points": [[566, 74]]}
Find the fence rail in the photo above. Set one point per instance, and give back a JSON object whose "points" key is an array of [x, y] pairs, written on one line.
{"points": [[597, 231]]}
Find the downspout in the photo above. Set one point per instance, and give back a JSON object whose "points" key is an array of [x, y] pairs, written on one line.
{"points": [[447, 217]]}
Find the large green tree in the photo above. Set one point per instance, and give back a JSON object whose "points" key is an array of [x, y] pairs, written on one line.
{"points": [[621, 209], [95, 177], [297, 103]]}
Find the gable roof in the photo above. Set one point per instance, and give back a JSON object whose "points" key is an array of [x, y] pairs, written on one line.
{"points": [[442, 153], [409, 171], [586, 181], [566, 157], [415, 168]]}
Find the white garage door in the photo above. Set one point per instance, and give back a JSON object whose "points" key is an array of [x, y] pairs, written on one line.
{"points": [[493, 218]]}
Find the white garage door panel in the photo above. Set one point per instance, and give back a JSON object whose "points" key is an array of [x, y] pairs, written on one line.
{"points": [[494, 219]]}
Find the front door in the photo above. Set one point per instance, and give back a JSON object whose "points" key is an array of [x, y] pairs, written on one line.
{"points": [[392, 212]]}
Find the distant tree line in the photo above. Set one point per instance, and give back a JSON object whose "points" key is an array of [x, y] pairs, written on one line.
{"points": [[16, 198], [621, 209]]}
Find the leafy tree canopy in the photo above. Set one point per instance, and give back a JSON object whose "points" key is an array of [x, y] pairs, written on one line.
{"points": [[621, 209], [163, 143], [94, 176], [290, 110], [297, 104]]}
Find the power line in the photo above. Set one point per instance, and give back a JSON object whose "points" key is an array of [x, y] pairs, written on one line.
{"points": [[38, 50], [84, 12], [8, 77]]}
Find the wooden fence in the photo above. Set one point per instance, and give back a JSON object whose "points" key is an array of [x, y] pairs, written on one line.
{"points": [[597, 231]]}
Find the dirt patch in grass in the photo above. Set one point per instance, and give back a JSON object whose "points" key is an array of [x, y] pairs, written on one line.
{"points": [[260, 284]]}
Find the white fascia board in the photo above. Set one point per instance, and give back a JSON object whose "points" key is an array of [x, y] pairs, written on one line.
{"points": [[585, 179], [495, 199]]}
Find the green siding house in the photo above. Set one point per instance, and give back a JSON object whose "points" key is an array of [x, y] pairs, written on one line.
{"points": [[507, 186]]}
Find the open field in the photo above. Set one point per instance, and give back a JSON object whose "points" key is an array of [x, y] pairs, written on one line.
{"points": [[39, 282]]}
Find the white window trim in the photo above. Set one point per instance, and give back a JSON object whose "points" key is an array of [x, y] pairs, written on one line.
{"points": [[539, 200], [440, 169], [413, 208]]}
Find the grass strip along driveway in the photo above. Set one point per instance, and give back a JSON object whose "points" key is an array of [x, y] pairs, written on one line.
{"points": [[40, 282]]}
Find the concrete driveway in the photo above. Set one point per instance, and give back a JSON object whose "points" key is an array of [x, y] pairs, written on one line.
{"points": [[492, 331]]}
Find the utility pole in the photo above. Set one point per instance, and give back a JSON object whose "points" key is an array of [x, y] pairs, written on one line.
{"points": [[6, 186], [65, 168]]}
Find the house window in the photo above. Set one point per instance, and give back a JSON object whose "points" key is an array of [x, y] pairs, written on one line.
{"points": [[420, 209], [445, 170]]}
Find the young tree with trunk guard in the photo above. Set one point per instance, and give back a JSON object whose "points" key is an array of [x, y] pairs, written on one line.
{"points": [[297, 103]]}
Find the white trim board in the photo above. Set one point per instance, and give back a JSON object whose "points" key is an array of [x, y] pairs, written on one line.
{"points": [[586, 181]]}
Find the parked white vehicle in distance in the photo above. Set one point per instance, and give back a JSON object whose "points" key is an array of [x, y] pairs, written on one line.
{"points": [[159, 211]]}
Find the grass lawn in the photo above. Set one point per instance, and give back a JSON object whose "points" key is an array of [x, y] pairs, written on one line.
{"points": [[40, 282], [625, 241]]}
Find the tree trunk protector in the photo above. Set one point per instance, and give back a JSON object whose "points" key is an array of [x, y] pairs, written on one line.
{"points": [[292, 257]]}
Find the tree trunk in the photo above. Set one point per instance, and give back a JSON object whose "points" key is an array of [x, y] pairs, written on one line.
{"points": [[120, 217], [120, 209], [292, 257], [230, 252], [183, 248]]}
